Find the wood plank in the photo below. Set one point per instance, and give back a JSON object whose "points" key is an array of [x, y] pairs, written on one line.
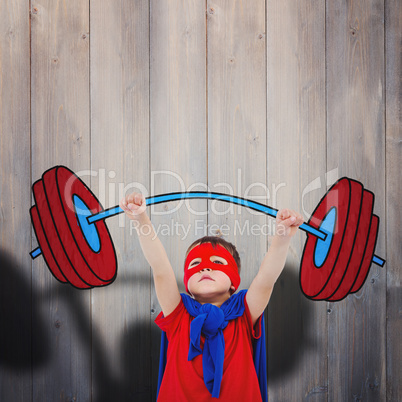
{"points": [[179, 100], [60, 135], [237, 125], [121, 365], [355, 145], [178, 133], [393, 63], [296, 150], [15, 239]]}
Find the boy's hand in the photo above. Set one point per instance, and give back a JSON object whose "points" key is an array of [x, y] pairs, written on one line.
{"points": [[133, 205], [287, 222]]}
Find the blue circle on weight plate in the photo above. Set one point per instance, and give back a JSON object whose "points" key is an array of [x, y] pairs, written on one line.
{"points": [[88, 229], [322, 247]]}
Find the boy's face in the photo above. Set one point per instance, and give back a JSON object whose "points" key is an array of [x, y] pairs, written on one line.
{"points": [[209, 283]]}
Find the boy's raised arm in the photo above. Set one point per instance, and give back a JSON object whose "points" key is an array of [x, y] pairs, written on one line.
{"points": [[260, 290], [166, 287]]}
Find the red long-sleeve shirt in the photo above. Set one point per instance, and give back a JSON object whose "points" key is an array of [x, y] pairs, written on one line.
{"points": [[183, 380]]}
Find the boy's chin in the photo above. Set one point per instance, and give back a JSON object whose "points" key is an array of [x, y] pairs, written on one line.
{"points": [[210, 294]]}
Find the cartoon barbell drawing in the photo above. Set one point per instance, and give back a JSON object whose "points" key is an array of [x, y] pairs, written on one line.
{"points": [[69, 224]]}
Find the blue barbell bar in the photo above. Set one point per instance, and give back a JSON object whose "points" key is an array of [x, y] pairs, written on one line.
{"points": [[158, 199]]}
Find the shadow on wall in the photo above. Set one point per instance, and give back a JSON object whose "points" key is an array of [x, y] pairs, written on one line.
{"points": [[289, 311], [26, 341], [135, 384], [18, 349]]}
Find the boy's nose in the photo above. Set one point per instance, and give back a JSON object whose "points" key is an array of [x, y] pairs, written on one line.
{"points": [[206, 269]]}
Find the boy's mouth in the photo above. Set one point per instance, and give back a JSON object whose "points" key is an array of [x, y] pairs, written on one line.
{"points": [[205, 277]]}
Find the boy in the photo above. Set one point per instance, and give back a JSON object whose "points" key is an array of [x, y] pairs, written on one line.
{"points": [[211, 333]]}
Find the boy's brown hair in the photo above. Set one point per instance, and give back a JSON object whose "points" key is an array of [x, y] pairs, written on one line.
{"points": [[214, 240]]}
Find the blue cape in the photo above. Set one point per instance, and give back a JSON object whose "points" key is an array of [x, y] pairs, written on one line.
{"points": [[208, 317]]}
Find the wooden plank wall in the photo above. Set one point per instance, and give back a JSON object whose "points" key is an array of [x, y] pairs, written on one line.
{"points": [[356, 145], [393, 155], [297, 327], [60, 135], [120, 147], [271, 100], [16, 365]]}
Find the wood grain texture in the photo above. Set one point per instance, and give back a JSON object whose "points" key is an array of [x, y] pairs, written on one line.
{"points": [[237, 125], [178, 151], [269, 100], [236, 100], [393, 195], [355, 145], [121, 368], [296, 149], [60, 135], [15, 273]]}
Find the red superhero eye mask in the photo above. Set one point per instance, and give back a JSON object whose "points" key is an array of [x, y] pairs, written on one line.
{"points": [[205, 251]]}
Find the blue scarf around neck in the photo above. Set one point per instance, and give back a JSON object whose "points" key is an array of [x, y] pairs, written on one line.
{"points": [[211, 321]]}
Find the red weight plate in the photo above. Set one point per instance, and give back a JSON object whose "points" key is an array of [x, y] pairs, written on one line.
{"points": [[44, 245], [349, 238], [346, 197], [95, 268], [63, 263], [368, 255], [359, 248]]}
